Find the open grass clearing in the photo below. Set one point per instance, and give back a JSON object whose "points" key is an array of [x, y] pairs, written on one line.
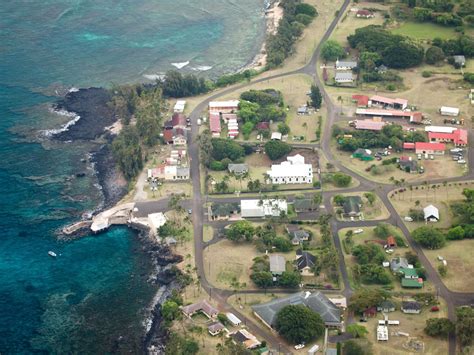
{"points": [[424, 30], [413, 324], [374, 211], [460, 263], [208, 233], [442, 196], [227, 262]]}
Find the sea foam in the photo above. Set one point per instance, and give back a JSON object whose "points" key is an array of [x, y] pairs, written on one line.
{"points": [[180, 65]]}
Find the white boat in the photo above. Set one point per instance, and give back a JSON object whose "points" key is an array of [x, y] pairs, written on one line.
{"points": [[52, 253]]}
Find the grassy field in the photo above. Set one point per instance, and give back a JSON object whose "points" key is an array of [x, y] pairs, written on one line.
{"points": [[441, 197], [226, 262], [363, 238], [376, 211], [425, 30], [208, 233], [458, 255], [413, 324]]}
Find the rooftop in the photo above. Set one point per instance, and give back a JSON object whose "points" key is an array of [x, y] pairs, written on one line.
{"points": [[277, 263]]}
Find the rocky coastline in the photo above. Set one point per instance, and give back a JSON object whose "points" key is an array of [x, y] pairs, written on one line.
{"points": [[92, 119]]}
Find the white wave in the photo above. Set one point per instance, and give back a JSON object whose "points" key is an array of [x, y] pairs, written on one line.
{"points": [[202, 68], [180, 65], [73, 89], [64, 127], [157, 76]]}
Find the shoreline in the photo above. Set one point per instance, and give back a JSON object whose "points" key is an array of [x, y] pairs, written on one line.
{"points": [[273, 15]]}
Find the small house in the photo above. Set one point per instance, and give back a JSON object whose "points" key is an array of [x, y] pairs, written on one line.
{"points": [[459, 60], [369, 125], [229, 106], [412, 283], [179, 106], [245, 338], [276, 136], [386, 306], [391, 243], [411, 307], [365, 14], [263, 208], [305, 262], [342, 78], [381, 69], [449, 111], [298, 236], [388, 103], [215, 124], [370, 312], [363, 154], [408, 165], [223, 211], [233, 319], [345, 64], [303, 205], [397, 263], [408, 273], [277, 264], [431, 213], [302, 110], [200, 307], [238, 169], [352, 206], [361, 100], [215, 328]]}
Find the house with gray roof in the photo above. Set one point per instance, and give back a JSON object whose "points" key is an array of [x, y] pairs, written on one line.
{"points": [[223, 211], [459, 60], [297, 235], [346, 64], [352, 206], [303, 205], [238, 169], [316, 301], [398, 263], [345, 77], [277, 264], [305, 262]]}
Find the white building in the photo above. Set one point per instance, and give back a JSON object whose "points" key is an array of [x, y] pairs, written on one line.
{"points": [[276, 136], [440, 129], [431, 213], [345, 64], [292, 171], [449, 111], [382, 333], [262, 208], [179, 106], [233, 319], [344, 77], [228, 106]]}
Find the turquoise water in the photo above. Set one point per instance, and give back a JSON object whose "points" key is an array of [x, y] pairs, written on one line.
{"points": [[96, 290]]}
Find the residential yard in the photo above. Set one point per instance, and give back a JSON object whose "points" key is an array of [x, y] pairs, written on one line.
{"points": [[368, 236], [413, 324], [208, 233], [227, 262], [374, 211], [244, 302], [441, 196], [294, 89], [460, 263]]}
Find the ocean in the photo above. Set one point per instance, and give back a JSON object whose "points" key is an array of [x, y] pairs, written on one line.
{"points": [[96, 290]]}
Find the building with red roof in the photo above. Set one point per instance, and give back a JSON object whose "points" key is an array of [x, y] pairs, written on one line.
{"points": [[414, 117], [362, 100], [409, 146], [365, 14], [262, 126], [391, 241], [215, 124], [430, 148], [458, 137]]}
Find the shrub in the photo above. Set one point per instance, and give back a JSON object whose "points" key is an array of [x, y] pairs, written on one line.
{"points": [[426, 74]]}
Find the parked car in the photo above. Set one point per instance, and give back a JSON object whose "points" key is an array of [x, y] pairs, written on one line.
{"points": [[299, 346], [358, 231], [408, 219], [456, 150], [461, 161]]}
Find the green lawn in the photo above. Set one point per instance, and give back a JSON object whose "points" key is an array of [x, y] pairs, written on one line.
{"points": [[424, 30]]}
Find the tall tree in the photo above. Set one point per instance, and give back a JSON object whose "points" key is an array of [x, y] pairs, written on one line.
{"points": [[316, 97]]}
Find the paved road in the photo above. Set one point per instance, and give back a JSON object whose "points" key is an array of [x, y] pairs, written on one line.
{"points": [[382, 190]]}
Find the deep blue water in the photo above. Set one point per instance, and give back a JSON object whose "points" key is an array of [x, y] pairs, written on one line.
{"points": [[96, 290]]}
